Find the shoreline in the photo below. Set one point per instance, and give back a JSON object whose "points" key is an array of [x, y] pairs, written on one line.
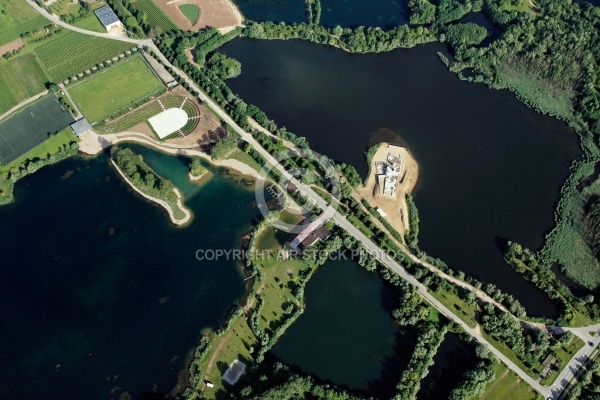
{"points": [[92, 144], [164, 204]]}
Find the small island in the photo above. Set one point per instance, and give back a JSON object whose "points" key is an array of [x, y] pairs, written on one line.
{"points": [[149, 184], [393, 174], [197, 170]]}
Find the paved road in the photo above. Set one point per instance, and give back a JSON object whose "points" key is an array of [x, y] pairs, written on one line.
{"points": [[552, 392]]}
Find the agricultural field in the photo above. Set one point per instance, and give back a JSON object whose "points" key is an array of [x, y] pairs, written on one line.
{"points": [[16, 18], [72, 53], [115, 88], [154, 15], [20, 78], [48, 55]]}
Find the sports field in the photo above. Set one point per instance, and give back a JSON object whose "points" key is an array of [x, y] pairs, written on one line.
{"points": [[31, 127], [115, 88]]}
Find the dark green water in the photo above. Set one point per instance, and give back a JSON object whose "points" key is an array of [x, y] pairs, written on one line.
{"points": [[98, 291], [490, 168], [346, 334], [353, 13], [288, 11], [451, 361]]}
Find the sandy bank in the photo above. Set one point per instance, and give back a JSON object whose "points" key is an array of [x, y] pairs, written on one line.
{"points": [[91, 143], [395, 207]]}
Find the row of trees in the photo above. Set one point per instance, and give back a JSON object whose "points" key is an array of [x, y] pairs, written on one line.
{"points": [[359, 40], [314, 11], [224, 145], [84, 10], [530, 346], [476, 380]]}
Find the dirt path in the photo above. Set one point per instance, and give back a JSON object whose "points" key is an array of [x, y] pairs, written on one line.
{"points": [[91, 143]]}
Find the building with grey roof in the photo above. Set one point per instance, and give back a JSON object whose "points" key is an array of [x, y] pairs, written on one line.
{"points": [[80, 127], [107, 17]]}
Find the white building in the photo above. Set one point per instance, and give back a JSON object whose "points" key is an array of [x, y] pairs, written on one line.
{"points": [[388, 174], [108, 18]]}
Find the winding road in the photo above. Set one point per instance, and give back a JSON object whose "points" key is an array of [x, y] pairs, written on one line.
{"points": [[549, 392]]}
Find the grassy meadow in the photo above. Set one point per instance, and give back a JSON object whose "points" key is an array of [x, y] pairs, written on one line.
{"points": [[115, 88]]}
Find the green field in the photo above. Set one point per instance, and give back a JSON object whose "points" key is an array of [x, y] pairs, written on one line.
{"points": [[52, 55], [509, 386], [191, 12], [109, 91], [18, 18], [91, 23], [72, 53], [154, 15]]}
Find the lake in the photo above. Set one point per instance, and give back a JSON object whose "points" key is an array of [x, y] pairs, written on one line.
{"points": [[490, 168], [346, 335], [99, 294]]}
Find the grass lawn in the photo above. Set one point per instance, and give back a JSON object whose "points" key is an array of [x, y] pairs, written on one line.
{"points": [[50, 146], [191, 12], [509, 386], [508, 352], [358, 223], [242, 156], [91, 23], [236, 342], [466, 312], [233, 344], [276, 290], [115, 88]]}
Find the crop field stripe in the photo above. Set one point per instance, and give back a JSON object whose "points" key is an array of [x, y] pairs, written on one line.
{"points": [[33, 24], [12, 82], [32, 78], [7, 100], [155, 16]]}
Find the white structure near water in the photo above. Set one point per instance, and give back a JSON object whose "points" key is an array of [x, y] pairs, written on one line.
{"points": [[388, 174], [168, 122]]}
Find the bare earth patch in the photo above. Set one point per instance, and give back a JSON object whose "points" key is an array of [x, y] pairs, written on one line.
{"points": [[10, 46], [214, 13], [395, 207]]}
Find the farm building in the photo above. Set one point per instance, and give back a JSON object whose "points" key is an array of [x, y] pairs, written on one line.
{"points": [[80, 127], [108, 18]]}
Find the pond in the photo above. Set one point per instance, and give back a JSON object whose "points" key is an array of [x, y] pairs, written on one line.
{"points": [[99, 294], [346, 335], [490, 168]]}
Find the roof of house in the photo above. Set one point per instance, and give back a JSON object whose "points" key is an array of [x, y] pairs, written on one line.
{"points": [[318, 234], [548, 360], [234, 372], [106, 16], [310, 228], [80, 127]]}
